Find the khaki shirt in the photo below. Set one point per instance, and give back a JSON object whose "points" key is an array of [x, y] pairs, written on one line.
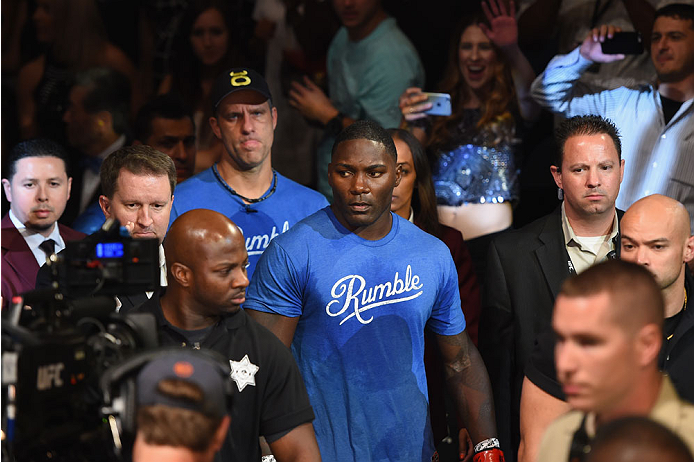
{"points": [[582, 256], [669, 410]]}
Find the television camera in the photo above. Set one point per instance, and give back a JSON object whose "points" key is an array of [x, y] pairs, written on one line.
{"points": [[58, 341]]}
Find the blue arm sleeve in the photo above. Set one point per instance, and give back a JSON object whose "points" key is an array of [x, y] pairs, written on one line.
{"points": [[276, 286], [446, 315]]}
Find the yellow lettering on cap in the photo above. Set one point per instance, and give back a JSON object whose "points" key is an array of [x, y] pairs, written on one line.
{"points": [[240, 79]]}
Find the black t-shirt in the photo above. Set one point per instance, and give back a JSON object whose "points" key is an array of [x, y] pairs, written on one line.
{"points": [[670, 108], [269, 400], [671, 323], [676, 355]]}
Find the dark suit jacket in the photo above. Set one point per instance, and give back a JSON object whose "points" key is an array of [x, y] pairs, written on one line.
{"points": [[675, 359], [525, 271], [72, 209], [19, 266]]}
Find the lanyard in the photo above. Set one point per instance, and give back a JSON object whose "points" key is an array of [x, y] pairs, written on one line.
{"points": [[611, 255]]}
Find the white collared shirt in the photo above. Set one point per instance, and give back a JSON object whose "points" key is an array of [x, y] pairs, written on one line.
{"points": [[34, 239], [162, 270]]}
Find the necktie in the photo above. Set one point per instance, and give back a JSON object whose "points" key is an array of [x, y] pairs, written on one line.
{"points": [[48, 247]]}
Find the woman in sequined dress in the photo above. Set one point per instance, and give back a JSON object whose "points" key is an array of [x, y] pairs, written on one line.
{"points": [[414, 200], [472, 151]]}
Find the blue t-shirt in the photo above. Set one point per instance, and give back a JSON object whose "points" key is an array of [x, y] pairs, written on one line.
{"points": [[366, 79], [359, 342], [91, 220], [260, 222]]}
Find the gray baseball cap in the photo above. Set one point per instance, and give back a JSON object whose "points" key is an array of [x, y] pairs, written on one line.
{"points": [[189, 367]]}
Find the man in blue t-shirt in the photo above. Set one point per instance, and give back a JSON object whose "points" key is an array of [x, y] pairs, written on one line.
{"points": [[370, 62], [351, 288], [242, 185]]}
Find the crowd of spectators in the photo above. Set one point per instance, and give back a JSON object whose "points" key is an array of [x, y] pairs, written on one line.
{"points": [[278, 148]]}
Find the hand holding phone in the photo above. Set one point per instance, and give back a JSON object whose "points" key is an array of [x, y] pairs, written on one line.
{"points": [[440, 104], [623, 43]]}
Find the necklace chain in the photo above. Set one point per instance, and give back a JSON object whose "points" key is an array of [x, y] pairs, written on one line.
{"points": [[685, 300], [684, 308], [246, 199]]}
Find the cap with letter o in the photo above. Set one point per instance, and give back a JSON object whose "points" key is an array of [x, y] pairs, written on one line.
{"points": [[238, 79]]}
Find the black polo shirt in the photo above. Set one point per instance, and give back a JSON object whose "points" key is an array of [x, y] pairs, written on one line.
{"points": [[270, 397]]}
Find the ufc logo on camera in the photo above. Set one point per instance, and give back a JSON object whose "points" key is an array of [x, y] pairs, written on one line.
{"points": [[48, 376]]}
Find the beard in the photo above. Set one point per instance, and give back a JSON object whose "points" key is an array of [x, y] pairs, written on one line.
{"points": [[677, 75], [38, 226]]}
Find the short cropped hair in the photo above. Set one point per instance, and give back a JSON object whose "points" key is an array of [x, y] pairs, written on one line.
{"points": [[680, 11], [140, 160], [585, 126], [621, 439], [107, 90], [635, 296], [367, 130], [171, 426], [38, 147], [168, 106]]}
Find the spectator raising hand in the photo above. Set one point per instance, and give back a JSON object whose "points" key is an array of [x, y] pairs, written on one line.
{"points": [[591, 48]]}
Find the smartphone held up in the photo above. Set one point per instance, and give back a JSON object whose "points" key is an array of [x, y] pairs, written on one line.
{"points": [[441, 104], [624, 43]]}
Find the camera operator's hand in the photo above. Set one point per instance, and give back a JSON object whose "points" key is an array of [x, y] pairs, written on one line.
{"points": [[130, 226], [591, 48]]}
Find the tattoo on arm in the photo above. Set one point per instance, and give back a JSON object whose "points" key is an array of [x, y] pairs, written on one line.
{"points": [[468, 383], [461, 360]]}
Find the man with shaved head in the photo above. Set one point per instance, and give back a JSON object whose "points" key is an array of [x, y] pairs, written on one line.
{"points": [[201, 308], [656, 234], [608, 323]]}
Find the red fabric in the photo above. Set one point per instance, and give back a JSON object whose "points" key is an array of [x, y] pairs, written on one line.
{"points": [[19, 266], [470, 303], [470, 299], [490, 455]]}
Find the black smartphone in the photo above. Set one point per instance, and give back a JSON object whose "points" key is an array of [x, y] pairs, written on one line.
{"points": [[625, 43]]}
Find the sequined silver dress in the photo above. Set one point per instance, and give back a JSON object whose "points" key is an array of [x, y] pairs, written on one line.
{"points": [[480, 168]]}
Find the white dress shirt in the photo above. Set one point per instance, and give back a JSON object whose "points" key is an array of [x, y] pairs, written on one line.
{"points": [[34, 239]]}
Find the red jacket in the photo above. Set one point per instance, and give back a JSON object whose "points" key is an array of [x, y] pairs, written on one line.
{"points": [[19, 266]]}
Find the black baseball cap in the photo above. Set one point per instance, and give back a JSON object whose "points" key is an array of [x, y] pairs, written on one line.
{"points": [[189, 367], [236, 79]]}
